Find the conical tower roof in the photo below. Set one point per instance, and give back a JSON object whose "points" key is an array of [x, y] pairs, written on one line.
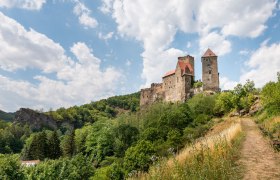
{"points": [[209, 53]]}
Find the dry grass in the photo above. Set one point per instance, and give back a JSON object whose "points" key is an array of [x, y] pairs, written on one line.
{"points": [[207, 157]]}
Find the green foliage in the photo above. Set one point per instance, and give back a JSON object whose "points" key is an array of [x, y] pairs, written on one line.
{"points": [[125, 135], [224, 103], [174, 138], [36, 147], [10, 167], [241, 98], [53, 146], [80, 138], [202, 104], [99, 142], [270, 96], [78, 167], [68, 144], [6, 116], [244, 93], [12, 138], [198, 84], [139, 157]]}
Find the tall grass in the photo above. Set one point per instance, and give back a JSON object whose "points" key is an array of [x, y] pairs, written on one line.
{"points": [[209, 158]]}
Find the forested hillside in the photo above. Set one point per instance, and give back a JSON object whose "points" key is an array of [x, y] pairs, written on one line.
{"points": [[6, 116], [114, 138]]}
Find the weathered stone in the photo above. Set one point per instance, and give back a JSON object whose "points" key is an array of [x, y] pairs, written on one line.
{"points": [[34, 119], [177, 84]]}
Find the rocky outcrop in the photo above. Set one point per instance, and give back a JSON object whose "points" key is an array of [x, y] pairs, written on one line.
{"points": [[34, 119], [257, 106]]}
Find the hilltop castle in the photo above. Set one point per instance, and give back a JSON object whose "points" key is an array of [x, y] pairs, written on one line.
{"points": [[177, 84]]}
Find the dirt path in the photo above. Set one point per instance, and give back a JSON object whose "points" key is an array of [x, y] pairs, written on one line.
{"points": [[257, 156]]}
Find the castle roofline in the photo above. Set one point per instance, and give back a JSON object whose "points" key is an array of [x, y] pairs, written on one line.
{"points": [[209, 53], [169, 73], [187, 56]]}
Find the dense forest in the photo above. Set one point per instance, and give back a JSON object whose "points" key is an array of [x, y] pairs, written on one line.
{"points": [[114, 138]]}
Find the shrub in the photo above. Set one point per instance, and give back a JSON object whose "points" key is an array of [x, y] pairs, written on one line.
{"points": [[138, 157]]}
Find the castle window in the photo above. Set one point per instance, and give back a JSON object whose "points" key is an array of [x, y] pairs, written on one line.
{"points": [[210, 72]]}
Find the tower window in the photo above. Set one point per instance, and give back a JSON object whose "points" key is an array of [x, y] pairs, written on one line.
{"points": [[210, 72]]}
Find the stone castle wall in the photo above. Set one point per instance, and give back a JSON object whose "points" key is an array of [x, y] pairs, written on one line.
{"points": [[177, 84], [152, 94]]}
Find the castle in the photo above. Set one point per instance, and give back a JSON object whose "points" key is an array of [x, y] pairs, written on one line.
{"points": [[177, 84]]}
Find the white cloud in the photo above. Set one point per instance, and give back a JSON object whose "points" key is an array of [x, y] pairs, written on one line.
{"points": [[162, 62], [263, 65], [106, 6], [227, 84], [236, 17], [21, 48], [155, 23], [83, 13], [216, 42], [75, 82], [23, 4], [105, 36]]}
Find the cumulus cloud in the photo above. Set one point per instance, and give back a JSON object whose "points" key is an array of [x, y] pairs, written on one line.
{"points": [[21, 48], [216, 42], [155, 23], [76, 81], [227, 84], [83, 14], [23, 4], [263, 65]]}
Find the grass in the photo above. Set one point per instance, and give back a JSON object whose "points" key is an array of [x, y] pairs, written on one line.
{"points": [[270, 126], [213, 157]]}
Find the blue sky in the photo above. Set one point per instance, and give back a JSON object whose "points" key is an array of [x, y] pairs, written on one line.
{"points": [[56, 53]]}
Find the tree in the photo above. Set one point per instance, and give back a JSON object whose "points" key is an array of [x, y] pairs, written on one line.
{"points": [[202, 104], [10, 167], [68, 144], [224, 103], [138, 157], [124, 135], [38, 146], [54, 146]]}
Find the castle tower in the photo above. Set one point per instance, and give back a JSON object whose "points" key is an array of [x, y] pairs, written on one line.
{"points": [[188, 59], [210, 74]]}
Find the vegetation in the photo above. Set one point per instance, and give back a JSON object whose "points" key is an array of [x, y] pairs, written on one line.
{"points": [[211, 158], [269, 116], [241, 98], [6, 116], [114, 139]]}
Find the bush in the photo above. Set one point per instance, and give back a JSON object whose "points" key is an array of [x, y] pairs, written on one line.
{"points": [[10, 167], [202, 104], [138, 157]]}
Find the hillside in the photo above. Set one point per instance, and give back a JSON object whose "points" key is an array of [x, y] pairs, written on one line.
{"points": [[115, 139], [6, 116]]}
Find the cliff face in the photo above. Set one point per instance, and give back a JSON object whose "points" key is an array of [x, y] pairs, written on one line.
{"points": [[34, 119]]}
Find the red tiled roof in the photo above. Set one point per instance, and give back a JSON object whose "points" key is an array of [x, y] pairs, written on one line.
{"points": [[169, 73], [183, 66], [209, 53]]}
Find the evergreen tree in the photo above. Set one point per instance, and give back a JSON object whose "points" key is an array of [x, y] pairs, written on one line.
{"points": [[38, 147], [54, 151], [68, 144]]}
